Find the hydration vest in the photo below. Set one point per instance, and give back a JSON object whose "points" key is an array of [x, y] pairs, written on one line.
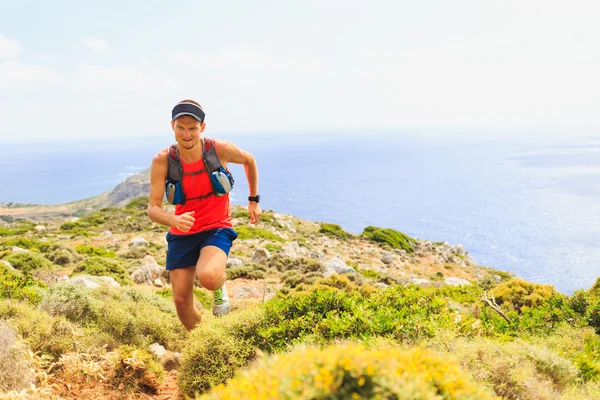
{"points": [[220, 178]]}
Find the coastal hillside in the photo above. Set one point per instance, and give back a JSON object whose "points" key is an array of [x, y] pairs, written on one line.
{"points": [[317, 313], [131, 187]]}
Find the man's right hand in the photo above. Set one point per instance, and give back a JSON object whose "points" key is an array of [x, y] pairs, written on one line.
{"points": [[185, 221]]}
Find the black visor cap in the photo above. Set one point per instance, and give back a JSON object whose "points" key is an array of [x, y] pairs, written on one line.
{"points": [[187, 109]]}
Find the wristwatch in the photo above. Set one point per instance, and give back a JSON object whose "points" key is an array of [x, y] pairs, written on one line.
{"points": [[255, 199]]}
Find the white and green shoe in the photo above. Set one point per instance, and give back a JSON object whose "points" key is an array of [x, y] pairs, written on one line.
{"points": [[220, 302]]}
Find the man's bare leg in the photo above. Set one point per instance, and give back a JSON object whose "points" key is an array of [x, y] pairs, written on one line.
{"points": [[211, 274], [182, 280]]}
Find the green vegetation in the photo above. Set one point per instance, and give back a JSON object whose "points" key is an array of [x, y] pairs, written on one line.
{"points": [[217, 349], [15, 368], [353, 371], [137, 371], [247, 232], [27, 262], [368, 273], [99, 266], [318, 338], [15, 285], [273, 248], [390, 237], [334, 230], [248, 271], [94, 251]]}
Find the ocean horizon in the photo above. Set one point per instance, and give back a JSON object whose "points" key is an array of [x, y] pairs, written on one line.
{"points": [[523, 206]]}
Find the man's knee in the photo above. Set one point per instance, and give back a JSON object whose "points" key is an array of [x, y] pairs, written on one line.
{"points": [[183, 302], [211, 279]]}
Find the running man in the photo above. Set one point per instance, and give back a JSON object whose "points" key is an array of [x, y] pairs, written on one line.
{"points": [[201, 233]]}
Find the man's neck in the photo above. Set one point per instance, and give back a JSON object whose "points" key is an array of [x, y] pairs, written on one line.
{"points": [[192, 155]]}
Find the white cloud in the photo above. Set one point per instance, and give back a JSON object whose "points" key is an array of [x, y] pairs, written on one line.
{"points": [[96, 77], [97, 45], [9, 48], [243, 58], [15, 73]]}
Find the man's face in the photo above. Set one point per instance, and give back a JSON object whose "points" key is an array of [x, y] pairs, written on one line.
{"points": [[187, 131]]}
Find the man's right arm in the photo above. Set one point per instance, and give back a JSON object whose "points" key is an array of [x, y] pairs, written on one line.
{"points": [[158, 174]]}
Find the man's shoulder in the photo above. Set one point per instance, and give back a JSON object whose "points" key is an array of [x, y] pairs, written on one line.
{"points": [[161, 156]]}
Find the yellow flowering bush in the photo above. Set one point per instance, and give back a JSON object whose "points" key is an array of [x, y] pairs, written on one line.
{"points": [[352, 371]]}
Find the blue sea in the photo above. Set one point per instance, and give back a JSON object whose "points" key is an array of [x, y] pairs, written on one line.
{"points": [[531, 207]]}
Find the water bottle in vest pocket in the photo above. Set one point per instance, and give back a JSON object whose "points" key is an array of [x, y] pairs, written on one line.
{"points": [[174, 193], [222, 181]]}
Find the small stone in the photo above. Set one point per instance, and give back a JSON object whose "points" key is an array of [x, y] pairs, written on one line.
{"points": [[261, 256], [7, 265], [420, 281], [157, 349], [234, 262], [108, 280], [498, 278], [387, 257], [84, 281], [269, 296], [381, 285], [17, 249], [40, 228], [453, 281], [158, 282], [139, 241], [336, 266]]}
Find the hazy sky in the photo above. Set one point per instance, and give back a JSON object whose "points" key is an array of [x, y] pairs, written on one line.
{"points": [[83, 69]]}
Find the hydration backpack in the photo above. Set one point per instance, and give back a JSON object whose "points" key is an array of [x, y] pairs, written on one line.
{"points": [[220, 178]]}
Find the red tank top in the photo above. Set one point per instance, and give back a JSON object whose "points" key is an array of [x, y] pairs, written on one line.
{"points": [[211, 212]]}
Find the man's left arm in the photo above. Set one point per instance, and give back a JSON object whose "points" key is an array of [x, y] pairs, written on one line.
{"points": [[229, 152]]}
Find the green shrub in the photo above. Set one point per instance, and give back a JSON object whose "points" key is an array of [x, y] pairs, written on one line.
{"points": [[137, 371], [61, 256], [247, 232], [138, 323], [543, 318], [139, 203], [518, 294], [334, 230], [23, 243], [273, 248], [103, 267], [146, 296], [14, 285], [17, 228], [27, 262], [218, 348], [293, 278], [352, 371], [301, 265], [515, 370], [593, 314], [94, 251], [15, 368], [391, 237], [579, 302], [369, 273], [40, 331], [347, 311], [594, 291], [249, 271], [74, 302]]}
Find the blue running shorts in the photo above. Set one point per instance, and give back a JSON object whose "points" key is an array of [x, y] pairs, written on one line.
{"points": [[184, 250]]}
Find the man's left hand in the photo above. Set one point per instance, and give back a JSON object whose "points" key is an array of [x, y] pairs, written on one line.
{"points": [[254, 211]]}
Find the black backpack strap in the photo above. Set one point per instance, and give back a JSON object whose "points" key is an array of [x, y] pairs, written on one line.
{"points": [[211, 161], [174, 167]]}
